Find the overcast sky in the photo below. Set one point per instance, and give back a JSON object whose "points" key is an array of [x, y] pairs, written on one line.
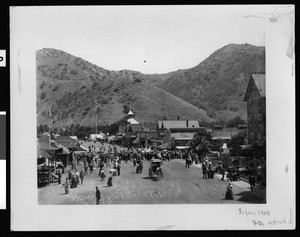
{"points": [[149, 39]]}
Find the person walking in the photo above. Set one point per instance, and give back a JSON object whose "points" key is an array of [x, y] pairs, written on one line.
{"points": [[102, 175], [259, 179], [59, 177], [77, 177], [222, 170], [86, 168], [81, 175], [73, 181], [118, 168], [204, 171], [109, 181], [252, 182], [91, 168], [98, 195], [134, 162], [69, 175], [229, 193], [66, 186]]}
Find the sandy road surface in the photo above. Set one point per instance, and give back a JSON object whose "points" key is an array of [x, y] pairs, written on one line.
{"points": [[179, 186]]}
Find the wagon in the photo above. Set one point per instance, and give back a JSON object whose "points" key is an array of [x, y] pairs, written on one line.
{"points": [[156, 169]]}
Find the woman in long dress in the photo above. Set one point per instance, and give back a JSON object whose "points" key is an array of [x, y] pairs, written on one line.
{"points": [[229, 193], [109, 181]]}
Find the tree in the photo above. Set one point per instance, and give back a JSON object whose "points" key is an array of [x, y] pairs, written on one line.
{"points": [[235, 121], [201, 143], [235, 144]]}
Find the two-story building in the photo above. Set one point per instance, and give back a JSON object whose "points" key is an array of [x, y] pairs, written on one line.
{"points": [[178, 133], [256, 107]]}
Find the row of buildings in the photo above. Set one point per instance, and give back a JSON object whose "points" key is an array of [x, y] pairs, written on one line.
{"points": [[168, 133], [178, 133], [57, 148]]}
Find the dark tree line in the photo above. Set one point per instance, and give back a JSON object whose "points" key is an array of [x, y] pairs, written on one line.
{"points": [[79, 130]]}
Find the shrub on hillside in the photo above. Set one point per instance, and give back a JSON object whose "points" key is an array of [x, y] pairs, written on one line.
{"points": [[42, 85], [55, 88], [136, 80], [43, 95]]}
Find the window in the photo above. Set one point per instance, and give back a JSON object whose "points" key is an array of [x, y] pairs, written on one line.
{"points": [[252, 136], [260, 119], [250, 120], [255, 120], [259, 136]]}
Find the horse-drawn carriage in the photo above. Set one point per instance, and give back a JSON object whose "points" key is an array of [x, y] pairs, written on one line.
{"points": [[156, 169]]}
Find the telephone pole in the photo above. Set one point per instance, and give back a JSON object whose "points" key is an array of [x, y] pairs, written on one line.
{"points": [[96, 116]]}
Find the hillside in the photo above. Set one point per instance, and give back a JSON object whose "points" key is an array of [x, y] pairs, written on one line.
{"points": [[217, 84], [69, 86], [211, 91]]}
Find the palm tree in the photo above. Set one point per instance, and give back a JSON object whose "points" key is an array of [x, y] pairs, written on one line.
{"points": [[201, 143]]}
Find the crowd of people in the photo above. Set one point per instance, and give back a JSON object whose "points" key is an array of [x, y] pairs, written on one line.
{"points": [[112, 159]]}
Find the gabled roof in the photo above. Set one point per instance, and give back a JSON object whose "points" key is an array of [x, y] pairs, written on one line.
{"points": [[43, 143], [66, 141], [134, 127], [171, 124], [132, 121], [41, 153], [130, 113], [159, 124], [259, 80]]}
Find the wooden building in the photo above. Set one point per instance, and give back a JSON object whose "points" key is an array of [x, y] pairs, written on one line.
{"points": [[256, 107]]}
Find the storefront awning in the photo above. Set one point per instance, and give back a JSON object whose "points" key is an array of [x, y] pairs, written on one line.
{"points": [[136, 141], [182, 147]]}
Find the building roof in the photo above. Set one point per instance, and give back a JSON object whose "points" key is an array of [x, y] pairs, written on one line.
{"points": [[182, 136], [150, 126], [224, 135], [66, 141], [130, 113], [230, 129], [41, 153], [134, 127], [259, 81], [74, 137], [43, 143], [242, 126], [132, 121], [171, 124], [100, 135], [159, 124]]}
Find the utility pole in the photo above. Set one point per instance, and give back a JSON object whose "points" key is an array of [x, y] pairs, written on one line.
{"points": [[49, 114], [96, 117]]}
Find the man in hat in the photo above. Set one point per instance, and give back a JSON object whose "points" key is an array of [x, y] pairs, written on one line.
{"points": [[252, 182], [81, 175], [98, 195]]}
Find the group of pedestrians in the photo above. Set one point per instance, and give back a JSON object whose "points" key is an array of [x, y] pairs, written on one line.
{"points": [[207, 170]]}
